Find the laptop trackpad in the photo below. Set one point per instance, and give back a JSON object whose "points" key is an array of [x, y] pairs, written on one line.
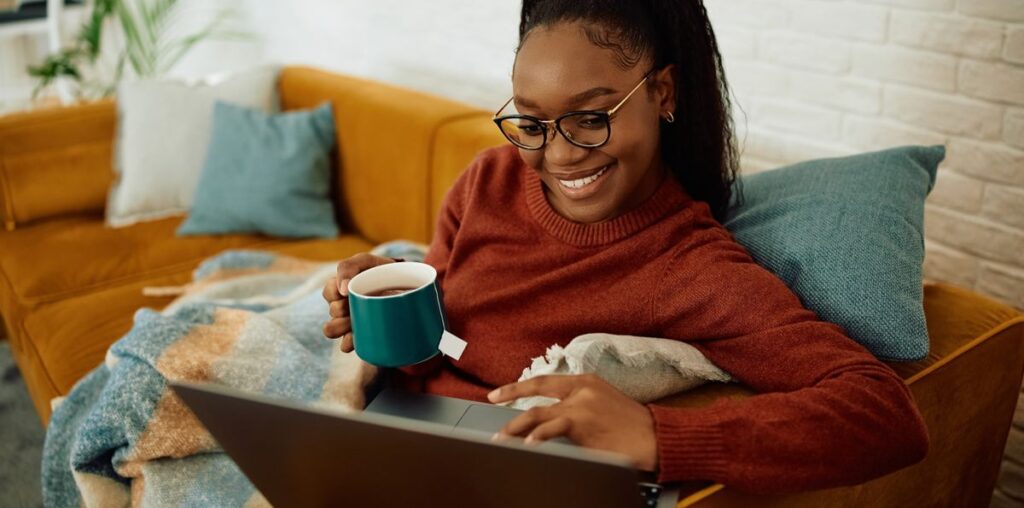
{"points": [[491, 419]]}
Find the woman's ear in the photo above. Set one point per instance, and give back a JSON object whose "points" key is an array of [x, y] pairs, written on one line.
{"points": [[665, 88]]}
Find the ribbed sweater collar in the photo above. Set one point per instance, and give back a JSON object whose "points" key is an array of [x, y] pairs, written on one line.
{"points": [[669, 198]]}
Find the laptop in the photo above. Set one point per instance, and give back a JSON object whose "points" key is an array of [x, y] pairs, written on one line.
{"points": [[409, 449]]}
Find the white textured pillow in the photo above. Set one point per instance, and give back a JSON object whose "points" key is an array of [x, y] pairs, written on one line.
{"points": [[644, 368], [163, 131]]}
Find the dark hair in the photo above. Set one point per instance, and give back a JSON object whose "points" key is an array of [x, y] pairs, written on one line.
{"points": [[698, 147]]}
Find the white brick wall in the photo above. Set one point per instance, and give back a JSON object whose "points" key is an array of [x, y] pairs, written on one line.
{"points": [[834, 77], [1014, 48], [907, 66], [946, 33]]}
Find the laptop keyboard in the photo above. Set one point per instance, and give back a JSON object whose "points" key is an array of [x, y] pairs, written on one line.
{"points": [[470, 416], [649, 493]]}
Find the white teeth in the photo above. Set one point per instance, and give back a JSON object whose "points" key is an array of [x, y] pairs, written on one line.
{"points": [[582, 182]]}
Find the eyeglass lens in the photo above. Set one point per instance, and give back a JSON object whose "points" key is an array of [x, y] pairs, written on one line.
{"points": [[581, 129]]}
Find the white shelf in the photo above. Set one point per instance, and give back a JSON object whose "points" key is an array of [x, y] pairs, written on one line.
{"points": [[60, 17], [27, 27], [37, 26]]}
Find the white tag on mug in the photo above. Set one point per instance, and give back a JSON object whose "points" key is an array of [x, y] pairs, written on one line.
{"points": [[451, 345]]}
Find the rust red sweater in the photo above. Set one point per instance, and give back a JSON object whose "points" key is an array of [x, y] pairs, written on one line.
{"points": [[517, 277]]}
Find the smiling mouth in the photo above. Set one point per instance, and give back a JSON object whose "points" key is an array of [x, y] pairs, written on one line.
{"points": [[580, 183]]}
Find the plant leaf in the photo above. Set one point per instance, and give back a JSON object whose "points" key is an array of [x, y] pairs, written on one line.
{"points": [[92, 32], [54, 67], [134, 44], [160, 13], [174, 51], [152, 16]]}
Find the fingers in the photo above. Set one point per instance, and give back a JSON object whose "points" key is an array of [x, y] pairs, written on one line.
{"points": [[336, 294], [556, 427], [352, 266], [526, 421], [557, 386], [339, 308], [337, 327], [331, 290]]}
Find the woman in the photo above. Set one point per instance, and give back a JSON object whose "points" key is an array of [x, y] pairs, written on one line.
{"points": [[603, 215]]}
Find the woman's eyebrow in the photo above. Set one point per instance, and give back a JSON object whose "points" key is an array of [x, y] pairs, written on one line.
{"points": [[574, 101]]}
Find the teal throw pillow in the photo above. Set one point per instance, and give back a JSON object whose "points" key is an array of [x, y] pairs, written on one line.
{"points": [[845, 234], [266, 173]]}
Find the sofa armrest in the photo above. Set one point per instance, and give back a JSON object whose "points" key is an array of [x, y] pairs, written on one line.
{"points": [[55, 162], [966, 389]]}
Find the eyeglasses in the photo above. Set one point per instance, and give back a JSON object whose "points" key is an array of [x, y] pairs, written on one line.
{"points": [[586, 129]]}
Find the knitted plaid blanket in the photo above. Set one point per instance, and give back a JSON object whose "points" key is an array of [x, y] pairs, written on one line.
{"points": [[250, 320]]}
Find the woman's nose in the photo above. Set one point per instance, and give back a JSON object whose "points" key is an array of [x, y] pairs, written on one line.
{"points": [[560, 152]]}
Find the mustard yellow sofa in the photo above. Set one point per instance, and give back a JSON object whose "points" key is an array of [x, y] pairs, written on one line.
{"points": [[69, 286]]}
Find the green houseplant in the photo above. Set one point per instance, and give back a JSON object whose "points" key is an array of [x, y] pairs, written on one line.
{"points": [[144, 43]]}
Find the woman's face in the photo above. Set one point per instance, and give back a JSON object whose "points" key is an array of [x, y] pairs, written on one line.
{"points": [[558, 70]]}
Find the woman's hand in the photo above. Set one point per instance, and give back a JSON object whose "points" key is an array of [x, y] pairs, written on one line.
{"points": [[336, 294], [591, 412]]}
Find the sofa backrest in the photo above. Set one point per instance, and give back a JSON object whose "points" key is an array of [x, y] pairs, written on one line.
{"points": [[457, 143], [398, 153], [398, 150], [55, 162]]}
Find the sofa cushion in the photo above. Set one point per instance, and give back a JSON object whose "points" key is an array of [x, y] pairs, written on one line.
{"points": [[61, 257], [70, 337], [163, 133], [266, 173], [846, 235]]}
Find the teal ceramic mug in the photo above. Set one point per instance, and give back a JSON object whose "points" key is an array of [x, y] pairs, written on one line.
{"points": [[397, 314]]}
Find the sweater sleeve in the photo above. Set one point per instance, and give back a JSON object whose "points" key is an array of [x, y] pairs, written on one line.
{"points": [[827, 413]]}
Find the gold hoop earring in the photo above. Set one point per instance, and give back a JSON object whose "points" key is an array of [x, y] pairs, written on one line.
{"points": [[669, 117]]}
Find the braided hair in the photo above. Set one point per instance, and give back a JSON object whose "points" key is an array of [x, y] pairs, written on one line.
{"points": [[698, 148]]}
